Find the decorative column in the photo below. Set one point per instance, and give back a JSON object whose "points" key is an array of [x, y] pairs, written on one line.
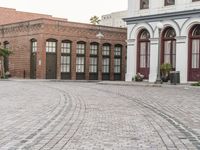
{"points": [[100, 61], [112, 62], [73, 60], [87, 60], [153, 59], [131, 59], [123, 61], [41, 58], [182, 58], [58, 59]]}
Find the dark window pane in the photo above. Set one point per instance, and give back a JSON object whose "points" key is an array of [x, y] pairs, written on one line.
{"points": [[169, 2], [144, 4]]}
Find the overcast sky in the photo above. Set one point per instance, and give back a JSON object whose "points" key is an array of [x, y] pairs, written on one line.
{"points": [[73, 10]]}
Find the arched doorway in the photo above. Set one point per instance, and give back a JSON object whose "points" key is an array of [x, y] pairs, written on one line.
{"points": [[194, 54], [51, 59], [143, 54], [168, 54]]}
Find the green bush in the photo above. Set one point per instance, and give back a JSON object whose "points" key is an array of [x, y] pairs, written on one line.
{"points": [[165, 69], [196, 84]]}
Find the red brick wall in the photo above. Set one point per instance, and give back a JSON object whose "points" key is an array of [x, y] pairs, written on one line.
{"points": [[19, 36], [9, 15]]}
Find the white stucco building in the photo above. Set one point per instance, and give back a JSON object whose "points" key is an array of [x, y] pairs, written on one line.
{"points": [[180, 37], [114, 19]]}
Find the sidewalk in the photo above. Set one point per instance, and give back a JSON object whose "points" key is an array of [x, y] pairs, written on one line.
{"points": [[115, 83], [148, 84]]}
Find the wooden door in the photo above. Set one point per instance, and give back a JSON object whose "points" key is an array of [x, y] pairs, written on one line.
{"points": [[33, 65], [51, 66]]}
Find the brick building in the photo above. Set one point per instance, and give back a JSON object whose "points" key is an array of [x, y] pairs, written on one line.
{"points": [[45, 47]]}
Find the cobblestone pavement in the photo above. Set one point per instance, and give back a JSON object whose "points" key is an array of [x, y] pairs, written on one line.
{"points": [[89, 116]]}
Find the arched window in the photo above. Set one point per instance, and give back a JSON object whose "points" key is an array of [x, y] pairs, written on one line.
{"points": [[51, 46], [117, 62], [80, 60], [93, 69], [169, 47], [194, 53], [66, 59], [33, 45], [143, 55], [106, 61]]}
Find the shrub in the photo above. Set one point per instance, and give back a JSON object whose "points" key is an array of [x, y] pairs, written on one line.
{"points": [[196, 84]]}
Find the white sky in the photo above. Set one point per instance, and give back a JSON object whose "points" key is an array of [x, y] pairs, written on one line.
{"points": [[73, 10]]}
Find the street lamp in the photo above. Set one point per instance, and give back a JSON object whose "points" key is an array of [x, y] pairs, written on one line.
{"points": [[100, 35], [160, 26]]}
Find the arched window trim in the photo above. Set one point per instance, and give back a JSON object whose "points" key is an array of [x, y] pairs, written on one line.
{"points": [[5, 44], [33, 40], [167, 38], [193, 37], [166, 32], [94, 43], [63, 41], [115, 53], [51, 40], [106, 54], [52, 48], [33, 45]]}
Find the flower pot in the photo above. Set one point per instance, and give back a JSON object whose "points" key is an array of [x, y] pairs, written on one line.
{"points": [[165, 78]]}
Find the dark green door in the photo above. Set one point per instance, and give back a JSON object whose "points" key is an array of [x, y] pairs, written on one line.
{"points": [[33, 66], [51, 66]]}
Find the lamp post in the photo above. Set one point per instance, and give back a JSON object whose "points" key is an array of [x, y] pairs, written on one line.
{"points": [[99, 36], [160, 27]]}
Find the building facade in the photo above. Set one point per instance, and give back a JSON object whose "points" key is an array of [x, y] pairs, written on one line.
{"points": [[179, 38], [114, 19], [10, 15], [55, 49]]}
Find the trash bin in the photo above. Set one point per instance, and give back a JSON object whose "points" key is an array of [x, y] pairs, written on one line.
{"points": [[174, 77]]}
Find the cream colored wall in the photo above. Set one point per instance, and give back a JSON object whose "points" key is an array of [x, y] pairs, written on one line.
{"points": [[157, 7]]}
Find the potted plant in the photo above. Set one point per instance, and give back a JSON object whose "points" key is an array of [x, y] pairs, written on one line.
{"points": [[165, 71], [139, 77]]}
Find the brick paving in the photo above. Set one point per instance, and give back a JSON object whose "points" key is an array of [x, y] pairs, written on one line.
{"points": [[90, 116]]}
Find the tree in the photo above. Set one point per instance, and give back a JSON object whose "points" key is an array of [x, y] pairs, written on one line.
{"points": [[4, 53], [95, 20]]}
